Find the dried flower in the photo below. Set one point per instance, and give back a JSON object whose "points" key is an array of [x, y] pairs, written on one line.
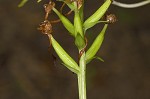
{"points": [[111, 18], [48, 8], [45, 27]]}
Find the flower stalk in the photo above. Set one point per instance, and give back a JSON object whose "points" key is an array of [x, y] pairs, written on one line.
{"points": [[82, 77]]}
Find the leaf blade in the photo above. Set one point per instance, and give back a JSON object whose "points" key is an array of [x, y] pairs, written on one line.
{"points": [[67, 24], [96, 44], [91, 21], [22, 3], [70, 63]]}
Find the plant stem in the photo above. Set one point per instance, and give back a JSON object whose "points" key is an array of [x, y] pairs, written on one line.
{"points": [[82, 77]]}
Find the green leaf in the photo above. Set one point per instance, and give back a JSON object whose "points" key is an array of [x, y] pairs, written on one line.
{"points": [[87, 26], [67, 24], [69, 4], [78, 23], [99, 58], [39, 1], [79, 41], [93, 19], [67, 60], [22, 3], [96, 45], [95, 57], [93, 23], [70, 68]]}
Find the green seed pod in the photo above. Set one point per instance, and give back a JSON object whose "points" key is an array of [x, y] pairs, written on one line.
{"points": [[93, 19], [67, 60], [67, 24], [90, 54]]}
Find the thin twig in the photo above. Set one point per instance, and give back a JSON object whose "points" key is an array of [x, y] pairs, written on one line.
{"points": [[134, 5]]}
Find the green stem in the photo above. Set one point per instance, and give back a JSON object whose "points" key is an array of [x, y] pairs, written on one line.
{"points": [[82, 62], [82, 77]]}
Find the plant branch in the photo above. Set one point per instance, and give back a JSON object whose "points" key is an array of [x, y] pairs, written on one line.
{"points": [[134, 5]]}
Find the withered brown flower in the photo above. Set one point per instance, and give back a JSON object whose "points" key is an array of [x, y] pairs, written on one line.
{"points": [[48, 8], [111, 18], [79, 2], [45, 27]]}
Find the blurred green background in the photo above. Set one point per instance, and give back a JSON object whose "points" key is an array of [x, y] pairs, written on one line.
{"points": [[29, 71]]}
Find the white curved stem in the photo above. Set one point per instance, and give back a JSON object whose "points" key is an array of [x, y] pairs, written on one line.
{"points": [[134, 5]]}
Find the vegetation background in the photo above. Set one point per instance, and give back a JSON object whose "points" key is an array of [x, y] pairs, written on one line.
{"points": [[29, 71]]}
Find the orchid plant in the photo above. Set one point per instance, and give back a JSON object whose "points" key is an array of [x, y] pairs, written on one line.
{"points": [[78, 31]]}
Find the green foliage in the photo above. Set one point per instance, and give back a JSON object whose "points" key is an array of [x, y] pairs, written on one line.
{"points": [[79, 41], [39, 1], [67, 24], [90, 54], [77, 23], [67, 60], [93, 19], [69, 3], [23, 2]]}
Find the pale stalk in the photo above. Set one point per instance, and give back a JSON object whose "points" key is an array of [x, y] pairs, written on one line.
{"points": [[82, 77]]}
